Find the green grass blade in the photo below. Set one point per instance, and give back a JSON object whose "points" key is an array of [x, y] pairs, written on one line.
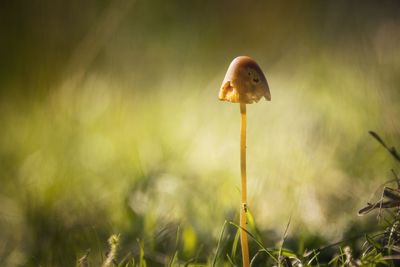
{"points": [[219, 244], [235, 244], [284, 237], [258, 242]]}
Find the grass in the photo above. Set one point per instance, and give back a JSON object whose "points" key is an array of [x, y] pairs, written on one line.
{"points": [[72, 176], [68, 209], [141, 146], [375, 248], [382, 248]]}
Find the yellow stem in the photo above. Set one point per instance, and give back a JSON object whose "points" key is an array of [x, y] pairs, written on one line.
{"points": [[243, 209]]}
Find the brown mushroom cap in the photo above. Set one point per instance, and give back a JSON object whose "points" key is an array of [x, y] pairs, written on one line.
{"points": [[244, 82]]}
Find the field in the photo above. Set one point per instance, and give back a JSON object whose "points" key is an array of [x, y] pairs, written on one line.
{"points": [[115, 150]]}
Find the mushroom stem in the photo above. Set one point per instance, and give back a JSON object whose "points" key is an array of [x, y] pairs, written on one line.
{"points": [[243, 209]]}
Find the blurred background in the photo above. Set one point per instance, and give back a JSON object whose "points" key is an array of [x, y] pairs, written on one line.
{"points": [[110, 123]]}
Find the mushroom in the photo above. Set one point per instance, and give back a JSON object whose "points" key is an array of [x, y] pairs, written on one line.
{"points": [[244, 83]]}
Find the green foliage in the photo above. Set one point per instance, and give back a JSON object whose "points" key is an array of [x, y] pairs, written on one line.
{"points": [[110, 124], [380, 248]]}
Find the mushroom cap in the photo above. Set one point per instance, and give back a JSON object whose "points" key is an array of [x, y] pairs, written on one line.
{"points": [[244, 82]]}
